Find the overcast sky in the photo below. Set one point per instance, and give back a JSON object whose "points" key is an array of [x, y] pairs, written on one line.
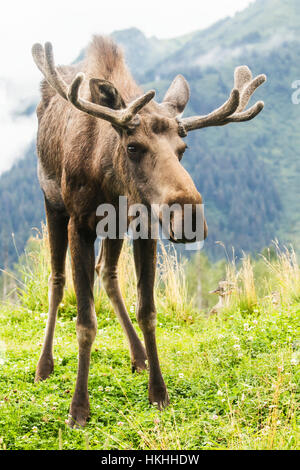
{"points": [[69, 24]]}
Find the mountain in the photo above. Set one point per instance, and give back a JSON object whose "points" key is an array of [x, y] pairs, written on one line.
{"points": [[249, 172]]}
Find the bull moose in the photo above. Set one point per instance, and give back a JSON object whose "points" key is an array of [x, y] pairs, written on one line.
{"points": [[99, 137]]}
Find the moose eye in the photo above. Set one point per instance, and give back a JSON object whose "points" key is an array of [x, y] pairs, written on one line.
{"points": [[132, 149], [135, 151]]}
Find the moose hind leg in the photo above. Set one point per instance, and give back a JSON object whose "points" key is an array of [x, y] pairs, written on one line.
{"points": [[106, 267], [58, 239]]}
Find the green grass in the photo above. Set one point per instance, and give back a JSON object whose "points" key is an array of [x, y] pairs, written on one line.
{"points": [[233, 380], [232, 384]]}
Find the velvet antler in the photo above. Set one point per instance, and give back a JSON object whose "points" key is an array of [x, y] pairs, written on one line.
{"points": [[125, 117], [233, 110]]}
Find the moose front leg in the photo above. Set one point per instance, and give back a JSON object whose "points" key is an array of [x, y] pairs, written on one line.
{"points": [[106, 267], [57, 224], [145, 264], [81, 242]]}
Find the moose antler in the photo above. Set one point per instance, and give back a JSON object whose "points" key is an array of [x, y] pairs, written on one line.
{"points": [[125, 117], [233, 110]]}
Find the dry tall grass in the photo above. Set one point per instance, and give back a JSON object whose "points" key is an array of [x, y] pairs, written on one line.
{"points": [[242, 281], [286, 272], [281, 278]]}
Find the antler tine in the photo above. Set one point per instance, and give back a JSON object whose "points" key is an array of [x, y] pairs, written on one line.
{"points": [[44, 60], [246, 115], [233, 109], [135, 106], [38, 55], [246, 86], [59, 84]]}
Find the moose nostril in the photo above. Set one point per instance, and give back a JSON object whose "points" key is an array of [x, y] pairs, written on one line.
{"points": [[183, 218], [205, 230], [176, 226]]}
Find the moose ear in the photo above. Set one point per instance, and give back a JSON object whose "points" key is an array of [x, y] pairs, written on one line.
{"points": [[105, 93], [177, 95]]}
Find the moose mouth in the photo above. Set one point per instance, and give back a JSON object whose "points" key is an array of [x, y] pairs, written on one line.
{"points": [[175, 231]]}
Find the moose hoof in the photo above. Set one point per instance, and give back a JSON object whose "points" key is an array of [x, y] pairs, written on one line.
{"points": [[44, 368], [139, 363], [158, 396], [78, 416], [77, 422]]}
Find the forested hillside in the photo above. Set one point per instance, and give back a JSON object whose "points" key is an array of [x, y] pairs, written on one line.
{"points": [[21, 207], [248, 173]]}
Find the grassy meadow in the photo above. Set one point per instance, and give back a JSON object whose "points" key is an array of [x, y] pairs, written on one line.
{"points": [[233, 378]]}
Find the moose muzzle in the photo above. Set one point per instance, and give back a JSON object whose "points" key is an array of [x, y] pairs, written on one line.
{"points": [[183, 220]]}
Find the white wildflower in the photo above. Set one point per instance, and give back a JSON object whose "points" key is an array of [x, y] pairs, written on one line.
{"points": [[265, 430], [294, 361]]}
